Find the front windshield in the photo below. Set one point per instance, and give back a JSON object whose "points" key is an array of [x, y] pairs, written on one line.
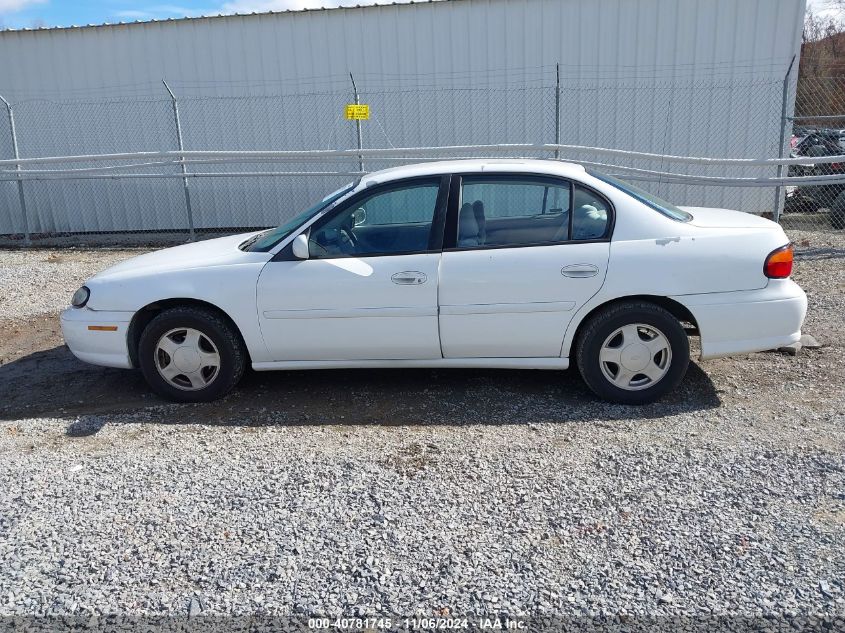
{"points": [[263, 242], [649, 199]]}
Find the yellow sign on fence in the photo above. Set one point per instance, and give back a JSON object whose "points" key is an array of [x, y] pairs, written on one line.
{"points": [[357, 112]]}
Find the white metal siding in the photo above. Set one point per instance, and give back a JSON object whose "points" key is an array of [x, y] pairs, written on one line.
{"points": [[447, 43], [651, 75]]}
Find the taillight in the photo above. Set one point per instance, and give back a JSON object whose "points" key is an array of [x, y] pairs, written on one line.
{"points": [[779, 263]]}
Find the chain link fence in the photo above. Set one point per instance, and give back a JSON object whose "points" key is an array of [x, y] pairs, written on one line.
{"points": [[817, 130], [683, 118], [715, 117]]}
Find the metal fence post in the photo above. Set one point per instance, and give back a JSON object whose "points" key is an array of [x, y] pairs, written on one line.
{"points": [[358, 124], [16, 153], [784, 121], [557, 111], [182, 161]]}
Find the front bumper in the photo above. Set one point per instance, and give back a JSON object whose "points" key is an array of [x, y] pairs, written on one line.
{"points": [[104, 347], [733, 323]]}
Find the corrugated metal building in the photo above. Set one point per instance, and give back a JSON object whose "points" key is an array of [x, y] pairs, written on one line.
{"points": [[691, 77]]}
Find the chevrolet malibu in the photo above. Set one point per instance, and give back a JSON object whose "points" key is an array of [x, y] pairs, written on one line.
{"points": [[474, 264]]}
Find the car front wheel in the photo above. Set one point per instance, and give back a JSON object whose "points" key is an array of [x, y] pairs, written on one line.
{"points": [[191, 354], [632, 352]]}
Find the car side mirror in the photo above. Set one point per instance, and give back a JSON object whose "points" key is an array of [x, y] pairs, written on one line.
{"points": [[300, 246]]}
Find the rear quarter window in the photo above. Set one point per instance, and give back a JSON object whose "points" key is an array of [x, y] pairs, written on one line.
{"points": [[590, 215], [650, 200]]}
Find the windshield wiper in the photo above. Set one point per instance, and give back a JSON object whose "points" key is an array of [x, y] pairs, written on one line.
{"points": [[254, 239]]}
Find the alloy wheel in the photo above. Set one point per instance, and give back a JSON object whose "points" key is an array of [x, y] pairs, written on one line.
{"points": [[187, 359], [635, 356]]}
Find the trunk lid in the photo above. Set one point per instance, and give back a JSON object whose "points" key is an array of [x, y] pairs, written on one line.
{"points": [[711, 218]]}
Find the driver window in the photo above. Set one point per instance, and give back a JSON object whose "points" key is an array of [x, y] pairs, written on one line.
{"points": [[391, 221]]}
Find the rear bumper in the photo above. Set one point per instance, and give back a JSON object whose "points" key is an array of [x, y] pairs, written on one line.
{"points": [[749, 321], [98, 347]]}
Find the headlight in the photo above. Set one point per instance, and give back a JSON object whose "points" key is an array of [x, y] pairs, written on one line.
{"points": [[80, 297]]}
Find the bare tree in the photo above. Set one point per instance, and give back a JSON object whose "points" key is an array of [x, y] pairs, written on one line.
{"points": [[822, 62], [821, 43]]}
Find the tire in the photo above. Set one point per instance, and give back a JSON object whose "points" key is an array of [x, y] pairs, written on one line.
{"points": [[800, 204], [206, 344], [659, 346]]}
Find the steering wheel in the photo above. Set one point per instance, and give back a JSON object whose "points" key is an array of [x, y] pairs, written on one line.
{"points": [[340, 244], [324, 250], [350, 235]]}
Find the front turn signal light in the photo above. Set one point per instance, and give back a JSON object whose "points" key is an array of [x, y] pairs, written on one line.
{"points": [[779, 262]]}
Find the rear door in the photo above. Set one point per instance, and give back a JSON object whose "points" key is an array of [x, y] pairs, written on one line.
{"points": [[369, 288], [522, 254]]}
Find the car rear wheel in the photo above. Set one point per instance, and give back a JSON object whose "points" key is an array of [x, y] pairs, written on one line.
{"points": [[632, 352], [191, 355]]}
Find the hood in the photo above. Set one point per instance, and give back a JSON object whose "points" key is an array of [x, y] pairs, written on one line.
{"points": [[726, 219], [216, 252]]}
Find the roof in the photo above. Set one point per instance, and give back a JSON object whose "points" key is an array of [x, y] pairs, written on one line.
{"points": [[221, 16], [528, 166]]}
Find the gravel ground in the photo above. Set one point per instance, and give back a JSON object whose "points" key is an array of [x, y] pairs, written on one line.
{"points": [[40, 282], [431, 492]]}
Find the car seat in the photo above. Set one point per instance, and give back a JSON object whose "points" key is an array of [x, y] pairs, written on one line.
{"points": [[467, 227], [481, 220]]}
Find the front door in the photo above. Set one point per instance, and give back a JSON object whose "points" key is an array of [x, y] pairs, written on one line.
{"points": [[523, 254], [369, 288]]}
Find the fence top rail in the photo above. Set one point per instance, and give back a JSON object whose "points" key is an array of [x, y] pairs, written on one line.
{"points": [[630, 173], [810, 117], [309, 155]]}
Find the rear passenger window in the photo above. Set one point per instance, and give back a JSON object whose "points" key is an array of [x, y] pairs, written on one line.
{"points": [[590, 215], [512, 212]]}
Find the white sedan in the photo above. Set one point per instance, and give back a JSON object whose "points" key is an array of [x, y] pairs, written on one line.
{"points": [[476, 264]]}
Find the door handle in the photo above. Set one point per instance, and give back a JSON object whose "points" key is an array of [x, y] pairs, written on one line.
{"points": [[580, 271], [409, 278]]}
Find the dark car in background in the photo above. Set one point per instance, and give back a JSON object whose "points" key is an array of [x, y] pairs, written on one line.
{"points": [[818, 143], [831, 140]]}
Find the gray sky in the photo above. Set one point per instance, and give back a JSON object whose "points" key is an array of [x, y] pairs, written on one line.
{"points": [[825, 7]]}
